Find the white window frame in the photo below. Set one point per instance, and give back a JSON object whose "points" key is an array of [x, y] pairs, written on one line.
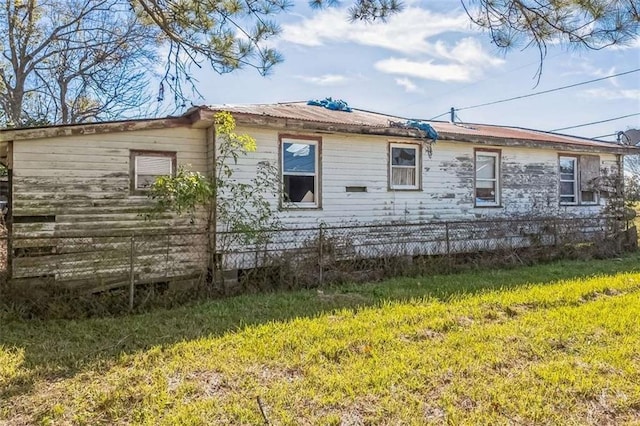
{"points": [[576, 195], [135, 155], [416, 167], [316, 142], [496, 179]]}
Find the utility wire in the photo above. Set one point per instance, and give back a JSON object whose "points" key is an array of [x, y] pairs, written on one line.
{"points": [[438, 116], [605, 136], [547, 91], [466, 86], [596, 122]]}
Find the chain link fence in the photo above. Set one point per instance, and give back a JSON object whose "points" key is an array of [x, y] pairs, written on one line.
{"points": [[90, 264], [291, 258], [314, 256]]}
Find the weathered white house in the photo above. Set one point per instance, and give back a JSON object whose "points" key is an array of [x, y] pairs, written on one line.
{"points": [[366, 167], [90, 180]]}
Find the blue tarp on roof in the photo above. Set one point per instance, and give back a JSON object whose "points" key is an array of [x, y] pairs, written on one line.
{"points": [[425, 127], [334, 105]]}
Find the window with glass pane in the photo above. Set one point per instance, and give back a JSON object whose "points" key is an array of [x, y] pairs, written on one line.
{"points": [[588, 174], [299, 171], [404, 166], [487, 179], [568, 180], [149, 165]]}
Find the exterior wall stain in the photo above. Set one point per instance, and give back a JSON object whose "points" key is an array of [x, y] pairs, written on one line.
{"points": [[89, 191], [529, 188]]}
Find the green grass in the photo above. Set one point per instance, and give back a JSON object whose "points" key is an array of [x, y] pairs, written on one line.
{"points": [[548, 344]]}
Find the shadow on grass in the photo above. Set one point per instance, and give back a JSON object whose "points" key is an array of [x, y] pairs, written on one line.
{"points": [[61, 348]]}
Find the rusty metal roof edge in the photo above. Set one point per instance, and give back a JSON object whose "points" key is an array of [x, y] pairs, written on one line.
{"points": [[570, 140], [97, 123], [222, 107], [526, 129], [25, 133], [541, 143]]}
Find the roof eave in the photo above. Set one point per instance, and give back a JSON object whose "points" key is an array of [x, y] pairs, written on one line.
{"points": [[531, 143], [203, 117], [92, 128]]}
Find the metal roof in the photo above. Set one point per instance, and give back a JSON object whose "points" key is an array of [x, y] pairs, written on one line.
{"points": [[300, 111]]}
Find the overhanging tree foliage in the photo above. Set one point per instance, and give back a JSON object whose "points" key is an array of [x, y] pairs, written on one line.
{"points": [[68, 61], [230, 34], [594, 24]]}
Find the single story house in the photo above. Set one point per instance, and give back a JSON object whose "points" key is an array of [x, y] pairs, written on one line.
{"points": [[89, 181]]}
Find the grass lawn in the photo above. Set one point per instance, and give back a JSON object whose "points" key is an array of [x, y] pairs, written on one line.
{"points": [[549, 344]]}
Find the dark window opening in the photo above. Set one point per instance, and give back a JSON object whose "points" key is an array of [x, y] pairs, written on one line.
{"points": [[20, 252], [34, 219], [356, 189], [299, 189]]}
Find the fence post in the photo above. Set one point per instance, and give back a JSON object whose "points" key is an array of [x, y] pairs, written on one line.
{"points": [[446, 230], [166, 261], [320, 253], [9, 260], [132, 273], [449, 261]]}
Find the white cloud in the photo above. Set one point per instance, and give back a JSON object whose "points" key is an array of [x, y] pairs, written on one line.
{"points": [[325, 80], [586, 68], [424, 69], [611, 94], [409, 86], [467, 51], [466, 61], [410, 33], [405, 32]]}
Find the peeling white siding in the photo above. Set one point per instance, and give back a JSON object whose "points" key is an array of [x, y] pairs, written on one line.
{"points": [[81, 184], [529, 182], [84, 180]]}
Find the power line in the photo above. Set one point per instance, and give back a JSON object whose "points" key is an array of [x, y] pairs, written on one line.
{"points": [[466, 86], [605, 136], [596, 122], [548, 91], [438, 116]]}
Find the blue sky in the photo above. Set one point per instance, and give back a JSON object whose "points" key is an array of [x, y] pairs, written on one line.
{"points": [[428, 59]]}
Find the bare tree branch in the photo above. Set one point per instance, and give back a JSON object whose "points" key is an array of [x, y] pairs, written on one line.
{"points": [[72, 61], [78, 60]]}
